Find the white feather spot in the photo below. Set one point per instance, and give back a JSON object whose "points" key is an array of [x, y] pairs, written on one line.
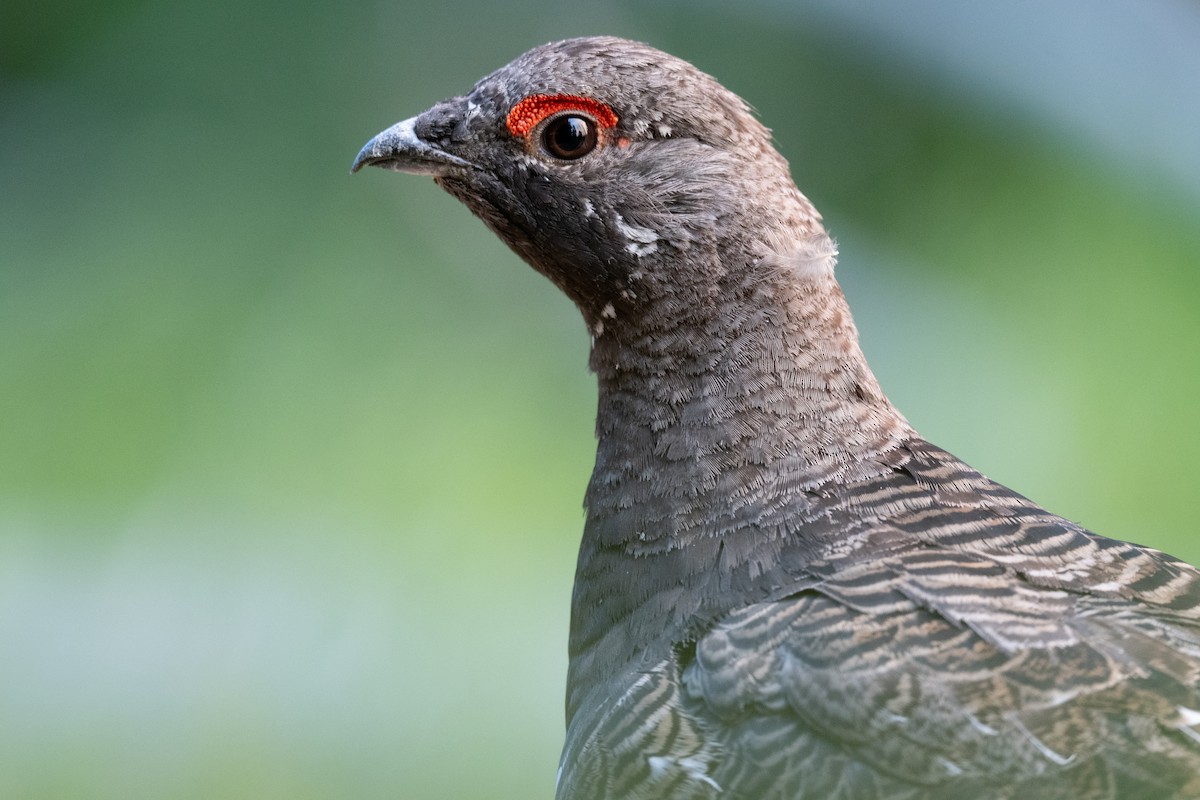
{"points": [[694, 768], [1042, 747], [589, 210], [608, 311], [1189, 716], [813, 259], [1058, 698], [472, 111], [950, 766], [639, 241], [981, 726]]}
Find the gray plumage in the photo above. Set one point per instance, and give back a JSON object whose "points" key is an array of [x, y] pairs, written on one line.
{"points": [[783, 591]]}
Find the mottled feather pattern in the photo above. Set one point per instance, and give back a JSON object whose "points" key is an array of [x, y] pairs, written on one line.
{"points": [[783, 592], [920, 660]]}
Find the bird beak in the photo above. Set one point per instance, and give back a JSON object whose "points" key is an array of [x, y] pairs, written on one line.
{"points": [[400, 149]]}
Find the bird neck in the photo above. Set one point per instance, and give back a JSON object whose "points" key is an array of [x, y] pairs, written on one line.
{"points": [[724, 435], [699, 403]]}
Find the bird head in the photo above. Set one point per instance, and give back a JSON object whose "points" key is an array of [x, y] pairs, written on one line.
{"points": [[631, 179]]}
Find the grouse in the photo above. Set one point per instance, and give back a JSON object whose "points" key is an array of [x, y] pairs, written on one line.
{"points": [[782, 590]]}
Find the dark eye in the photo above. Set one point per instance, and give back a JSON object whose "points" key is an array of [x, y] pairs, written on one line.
{"points": [[570, 136]]}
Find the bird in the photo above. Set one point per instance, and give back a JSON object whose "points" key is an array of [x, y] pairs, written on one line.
{"points": [[784, 592]]}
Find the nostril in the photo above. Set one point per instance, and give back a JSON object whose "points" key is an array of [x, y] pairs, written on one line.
{"points": [[443, 123]]}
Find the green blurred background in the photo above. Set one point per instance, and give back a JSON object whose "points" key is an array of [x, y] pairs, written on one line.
{"points": [[291, 461]]}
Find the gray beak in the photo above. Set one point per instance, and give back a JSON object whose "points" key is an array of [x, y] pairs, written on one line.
{"points": [[400, 149]]}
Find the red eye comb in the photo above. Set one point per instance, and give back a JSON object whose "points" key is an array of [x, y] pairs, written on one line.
{"points": [[526, 114]]}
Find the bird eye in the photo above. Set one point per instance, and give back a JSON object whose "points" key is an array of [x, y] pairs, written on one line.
{"points": [[570, 136]]}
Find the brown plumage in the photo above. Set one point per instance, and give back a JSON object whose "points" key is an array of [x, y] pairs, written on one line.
{"points": [[783, 591]]}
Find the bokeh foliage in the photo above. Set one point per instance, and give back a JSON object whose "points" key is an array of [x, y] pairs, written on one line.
{"points": [[290, 462]]}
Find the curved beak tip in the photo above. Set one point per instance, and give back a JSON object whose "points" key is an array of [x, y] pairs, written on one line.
{"points": [[382, 146], [362, 158], [399, 148]]}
